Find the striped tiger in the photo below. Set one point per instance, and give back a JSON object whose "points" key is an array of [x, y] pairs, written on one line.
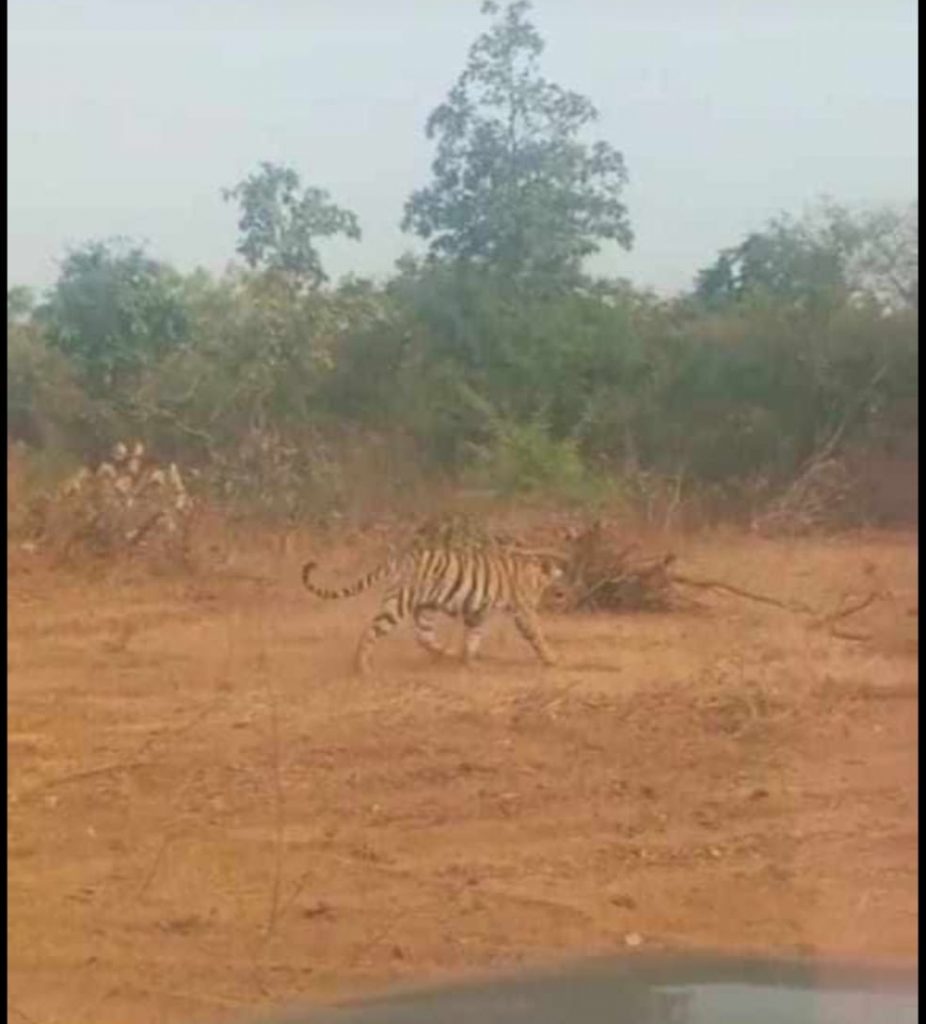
{"points": [[467, 579]]}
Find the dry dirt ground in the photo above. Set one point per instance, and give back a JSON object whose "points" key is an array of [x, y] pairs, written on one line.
{"points": [[208, 813]]}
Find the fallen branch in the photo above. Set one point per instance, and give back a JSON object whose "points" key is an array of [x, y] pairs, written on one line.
{"points": [[702, 584], [638, 574], [609, 576], [605, 575], [843, 613], [845, 634]]}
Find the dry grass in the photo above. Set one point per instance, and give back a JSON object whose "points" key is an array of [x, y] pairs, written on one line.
{"points": [[208, 812]]}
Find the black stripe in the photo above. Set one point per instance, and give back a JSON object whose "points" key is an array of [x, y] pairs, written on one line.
{"points": [[434, 576], [462, 578]]}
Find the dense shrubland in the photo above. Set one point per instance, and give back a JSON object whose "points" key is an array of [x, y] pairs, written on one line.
{"points": [[492, 361]]}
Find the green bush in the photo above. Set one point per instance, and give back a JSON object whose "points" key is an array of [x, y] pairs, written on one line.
{"points": [[300, 399], [522, 458]]}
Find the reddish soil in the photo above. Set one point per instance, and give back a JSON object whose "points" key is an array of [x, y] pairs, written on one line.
{"points": [[209, 814]]}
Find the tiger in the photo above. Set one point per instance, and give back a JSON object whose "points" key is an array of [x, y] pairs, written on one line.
{"points": [[461, 575]]}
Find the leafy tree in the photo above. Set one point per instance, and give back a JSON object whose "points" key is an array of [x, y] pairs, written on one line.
{"points": [[113, 310], [785, 261], [279, 223], [514, 187], [832, 255]]}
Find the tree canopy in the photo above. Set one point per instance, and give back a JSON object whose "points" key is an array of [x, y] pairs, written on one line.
{"points": [[514, 186], [830, 253], [112, 310], [280, 223]]}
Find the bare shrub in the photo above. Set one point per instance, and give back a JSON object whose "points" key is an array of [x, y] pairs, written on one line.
{"points": [[607, 572], [125, 505], [820, 497]]}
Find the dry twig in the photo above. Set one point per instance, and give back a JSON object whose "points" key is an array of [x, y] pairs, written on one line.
{"points": [[790, 606]]}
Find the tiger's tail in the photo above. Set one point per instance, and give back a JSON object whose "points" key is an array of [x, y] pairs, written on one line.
{"points": [[358, 587]]}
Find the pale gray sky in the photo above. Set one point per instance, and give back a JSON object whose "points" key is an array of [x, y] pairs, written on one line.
{"points": [[127, 117]]}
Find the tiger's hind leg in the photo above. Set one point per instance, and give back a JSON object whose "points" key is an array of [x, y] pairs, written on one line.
{"points": [[384, 622], [529, 628], [425, 634], [474, 623]]}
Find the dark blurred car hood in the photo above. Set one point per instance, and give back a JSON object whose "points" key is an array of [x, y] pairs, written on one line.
{"points": [[651, 990]]}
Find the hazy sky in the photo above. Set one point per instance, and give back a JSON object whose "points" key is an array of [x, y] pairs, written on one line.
{"points": [[127, 117]]}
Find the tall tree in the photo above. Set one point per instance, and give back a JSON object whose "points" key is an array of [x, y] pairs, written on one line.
{"points": [[514, 187], [280, 222]]}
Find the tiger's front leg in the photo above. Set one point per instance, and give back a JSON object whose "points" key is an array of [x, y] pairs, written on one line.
{"points": [[529, 628]]}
